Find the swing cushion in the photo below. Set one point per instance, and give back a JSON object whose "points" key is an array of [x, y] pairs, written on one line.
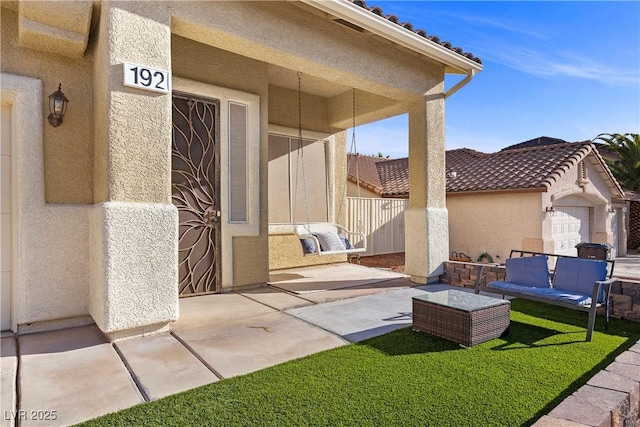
{"points": [[308, 245], [347, 244], [330, 241]]}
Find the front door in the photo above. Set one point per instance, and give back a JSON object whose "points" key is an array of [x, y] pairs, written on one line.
{"points": [[195, 183]]}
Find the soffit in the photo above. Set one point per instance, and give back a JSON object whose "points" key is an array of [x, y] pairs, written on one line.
{"points": [[288, 79], [375, 23]]}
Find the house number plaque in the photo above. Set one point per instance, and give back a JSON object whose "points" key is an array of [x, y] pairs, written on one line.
{"points": [[147, 78]]}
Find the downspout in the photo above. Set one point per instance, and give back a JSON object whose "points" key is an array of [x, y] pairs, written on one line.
{"points": [[460, 84]]}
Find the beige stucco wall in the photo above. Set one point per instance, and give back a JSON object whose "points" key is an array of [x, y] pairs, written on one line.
{"points": [[426, 230], [197, 61], [133, 126], [68, 148], [61, 29], [50, 241], [133, 254], [494, 223], [133, 225], [285, 251], [283, 110]]}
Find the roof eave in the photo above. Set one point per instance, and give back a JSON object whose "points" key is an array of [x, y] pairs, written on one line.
{"points": [[542, 189], [607, 171], [353, 13], [363, 184]]}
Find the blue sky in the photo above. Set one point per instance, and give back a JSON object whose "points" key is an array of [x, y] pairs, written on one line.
{"points": [[564, 69]]}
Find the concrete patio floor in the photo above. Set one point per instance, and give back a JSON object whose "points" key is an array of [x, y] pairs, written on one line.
{"points": [[67, 376], [75, 374]]}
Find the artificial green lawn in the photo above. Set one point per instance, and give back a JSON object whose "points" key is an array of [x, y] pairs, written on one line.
{"points": [[408, 378]]}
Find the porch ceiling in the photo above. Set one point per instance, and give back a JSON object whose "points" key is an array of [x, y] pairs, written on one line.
{"points": [[288, 79], [370, 107]]}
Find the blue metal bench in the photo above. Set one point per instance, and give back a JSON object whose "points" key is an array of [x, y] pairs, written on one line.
{"points": [[576, 283]]}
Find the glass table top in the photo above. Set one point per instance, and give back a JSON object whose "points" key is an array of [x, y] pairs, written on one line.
{"points": [[466, 301]]}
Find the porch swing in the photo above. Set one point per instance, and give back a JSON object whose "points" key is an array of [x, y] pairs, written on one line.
{"points": [[325, 238]]}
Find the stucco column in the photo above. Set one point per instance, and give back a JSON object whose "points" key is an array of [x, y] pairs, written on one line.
{"points": [[133, 235], [426, 220]]}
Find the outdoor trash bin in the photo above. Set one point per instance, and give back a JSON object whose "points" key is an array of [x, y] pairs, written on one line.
{"points": [[593, 250]]}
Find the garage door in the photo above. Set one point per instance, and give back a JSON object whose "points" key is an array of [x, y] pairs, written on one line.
{"points": [[570, 226]]}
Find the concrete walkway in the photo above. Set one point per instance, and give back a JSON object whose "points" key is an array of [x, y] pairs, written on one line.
{"points": [[628, 266], [72, 375]]}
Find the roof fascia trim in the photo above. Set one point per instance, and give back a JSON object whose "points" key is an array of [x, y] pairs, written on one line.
{"points": [[393, 32], [497, 191], [363, 184], [606, 170]]}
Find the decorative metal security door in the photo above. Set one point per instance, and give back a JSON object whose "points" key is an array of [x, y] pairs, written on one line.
{"points": [[195, 183]]}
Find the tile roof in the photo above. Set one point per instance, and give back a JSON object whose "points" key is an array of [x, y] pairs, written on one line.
{"points": [[536, 142], [386, 177], [394, 175], [409, 26], [364, 168], [604, 151], [468, 170], [524, 168]]}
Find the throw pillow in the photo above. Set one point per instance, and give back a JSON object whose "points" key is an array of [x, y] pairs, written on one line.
{"points": [[330, 241], [308, 246], [347, 244]]}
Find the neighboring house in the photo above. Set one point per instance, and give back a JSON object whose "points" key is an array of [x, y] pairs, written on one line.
{"points": [[545, 198], [141, 196]]}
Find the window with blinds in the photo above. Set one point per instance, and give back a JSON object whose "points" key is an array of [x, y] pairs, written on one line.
{"points": [[238, 191], [297, 181]]}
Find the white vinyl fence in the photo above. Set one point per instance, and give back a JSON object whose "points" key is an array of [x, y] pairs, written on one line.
{"points": [[381, 220]]}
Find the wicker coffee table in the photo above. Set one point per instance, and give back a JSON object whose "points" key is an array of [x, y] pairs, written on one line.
{"points": [[462, 317]]}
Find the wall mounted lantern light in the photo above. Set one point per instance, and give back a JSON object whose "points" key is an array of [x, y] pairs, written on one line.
{"points": [[57, 107], [550, 209]]}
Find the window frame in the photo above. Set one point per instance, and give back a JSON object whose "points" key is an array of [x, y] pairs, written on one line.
{"points": [[312, 137]]}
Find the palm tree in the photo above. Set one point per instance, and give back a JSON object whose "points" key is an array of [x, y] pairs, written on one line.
{"points": [[626, 168]]}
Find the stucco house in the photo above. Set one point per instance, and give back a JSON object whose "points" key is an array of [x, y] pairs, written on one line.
{"points": [[543, 197], [170, 172]]}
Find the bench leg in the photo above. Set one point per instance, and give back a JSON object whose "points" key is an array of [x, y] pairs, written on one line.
{"points": [[592, 321], [478, 279]]}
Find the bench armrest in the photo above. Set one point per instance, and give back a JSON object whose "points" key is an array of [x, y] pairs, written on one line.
{"points": [[479, 278], [349, 233], [315, 241], [606, 284]]}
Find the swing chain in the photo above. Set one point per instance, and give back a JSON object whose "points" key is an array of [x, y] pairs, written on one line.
{"points": [[300, 161], [354, 151]]}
